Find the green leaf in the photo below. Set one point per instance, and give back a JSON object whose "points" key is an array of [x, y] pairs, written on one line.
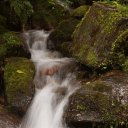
{"points": [[19, 71]]}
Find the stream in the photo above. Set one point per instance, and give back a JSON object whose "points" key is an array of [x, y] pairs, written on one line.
{"points": [[54, 83]]}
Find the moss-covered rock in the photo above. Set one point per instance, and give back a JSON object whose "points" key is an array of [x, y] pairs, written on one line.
{"points": [[18, 75], [11, 44], [80, 11], [102, 100], [61, 37], [97, 34]]}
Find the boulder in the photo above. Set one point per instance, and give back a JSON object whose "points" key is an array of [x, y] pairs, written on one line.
{"points": [[97, 36], [80, 11], [7, 119], [61, 37], [18, 76], [103, 100], [12, 44]]}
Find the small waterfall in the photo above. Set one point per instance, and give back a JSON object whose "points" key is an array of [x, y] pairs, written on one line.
{"points": [[54, 83]]}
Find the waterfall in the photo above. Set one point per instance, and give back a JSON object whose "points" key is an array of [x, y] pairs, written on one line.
{"points": [[54, 83]]}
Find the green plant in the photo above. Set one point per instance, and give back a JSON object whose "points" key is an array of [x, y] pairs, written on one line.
{"points": [[23, 9]]}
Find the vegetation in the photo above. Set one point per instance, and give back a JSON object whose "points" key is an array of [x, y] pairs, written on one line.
{"points": [[10, 45], [94, 32], [23, 9]]}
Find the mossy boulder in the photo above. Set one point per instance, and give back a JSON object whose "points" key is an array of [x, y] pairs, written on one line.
{"points": [[11, 44], [61, 37], [80, 11], [18, 75], [97, 34], [103, 100]]}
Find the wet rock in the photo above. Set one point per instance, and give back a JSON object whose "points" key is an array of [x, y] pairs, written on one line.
{"points": [[18, 76], [96, 37], [7, 119], [102, 100], [60, 90]]}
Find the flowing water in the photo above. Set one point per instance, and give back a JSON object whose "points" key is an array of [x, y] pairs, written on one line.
{"points": [[54, 83]]}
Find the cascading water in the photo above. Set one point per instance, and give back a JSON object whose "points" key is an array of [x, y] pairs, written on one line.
{"points": [[54, 83]]}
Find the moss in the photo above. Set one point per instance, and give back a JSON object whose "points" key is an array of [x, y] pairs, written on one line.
{"points": [[62, 35], [99, 86], [91, 59], [119, 50], [65, 30], [80, 11], [125, 66], [18, 77], [11, 44], [93, 41]]}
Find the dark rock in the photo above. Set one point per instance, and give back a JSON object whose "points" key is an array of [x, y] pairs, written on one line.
{"points": [[7, 119], [102, 100], [61, 37]]}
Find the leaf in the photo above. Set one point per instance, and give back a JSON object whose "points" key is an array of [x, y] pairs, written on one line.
{"points": [[19, 71]]}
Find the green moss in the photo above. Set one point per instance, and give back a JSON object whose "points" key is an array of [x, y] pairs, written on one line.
{"points": [[99, 36], [65, 29], [11, 40], [91, 59], [80, 11], [12, 44], [99, 86], [18, 77], [125, 66]]}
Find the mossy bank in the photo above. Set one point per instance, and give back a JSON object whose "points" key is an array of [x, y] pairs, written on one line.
{"points": [[18, 77]]}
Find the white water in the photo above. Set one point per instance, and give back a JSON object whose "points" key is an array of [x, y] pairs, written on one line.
{"points": [[54, 83]]}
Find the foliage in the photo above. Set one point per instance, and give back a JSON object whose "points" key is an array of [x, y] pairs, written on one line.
{"points": [[23, 9], [47, 14], [10, 45]]}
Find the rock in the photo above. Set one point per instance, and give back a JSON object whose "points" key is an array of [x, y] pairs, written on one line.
{"points": [[18, 75], [60, 90], [80, 11], [7, 119], [102, 100], [11, 44], [61, 37], [95, 37]]}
